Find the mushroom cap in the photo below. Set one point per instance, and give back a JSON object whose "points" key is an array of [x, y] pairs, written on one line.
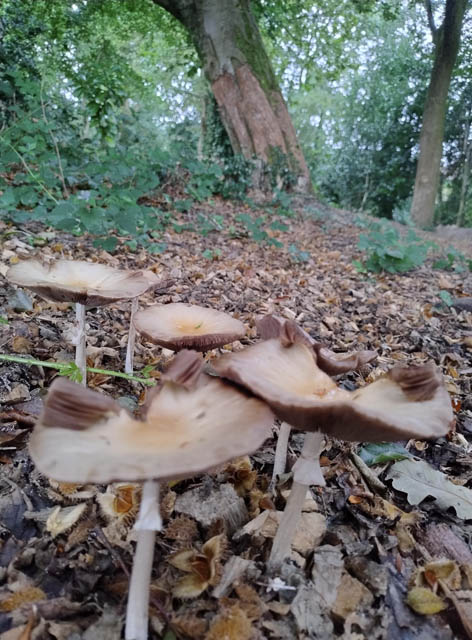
{"points": [[192, 423], [179, 326], [334, 364], [409, 402], [88, 283]]}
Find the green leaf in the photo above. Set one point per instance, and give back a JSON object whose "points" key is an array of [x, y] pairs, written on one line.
{"points": [[72, 372], [377, 453], [127, 219], [358, 265], [109, 244], [446, 298]]}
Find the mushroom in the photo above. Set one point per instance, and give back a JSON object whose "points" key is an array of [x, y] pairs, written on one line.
{"points": [[407, 402], [192, 422], [177, 326], [272, 326], [84, 283]]}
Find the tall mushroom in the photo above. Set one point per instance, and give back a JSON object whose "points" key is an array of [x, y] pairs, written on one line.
{"points": [[83, 283], [192, 423], [179, 326], [271, 326], [408, 402]]}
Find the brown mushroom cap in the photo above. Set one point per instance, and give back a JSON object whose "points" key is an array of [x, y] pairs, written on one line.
{"points": [[83, 436], [407, 402], [333, 364], [87, 283], [179, 326]]}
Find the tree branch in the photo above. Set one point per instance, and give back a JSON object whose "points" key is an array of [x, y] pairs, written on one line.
{"points": [[429, 11]]}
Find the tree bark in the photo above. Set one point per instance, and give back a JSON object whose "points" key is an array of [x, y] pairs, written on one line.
{"points": [[236, 65], [466, 149], [446, 46]]}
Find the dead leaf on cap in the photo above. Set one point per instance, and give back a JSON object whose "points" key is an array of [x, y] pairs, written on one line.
{"points": [[424, 601]]}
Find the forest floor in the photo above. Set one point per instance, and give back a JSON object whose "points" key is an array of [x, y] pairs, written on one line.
{"points": [[362, 547]]}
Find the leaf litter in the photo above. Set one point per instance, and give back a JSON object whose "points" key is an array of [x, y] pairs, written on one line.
{"points": [[65, 552]]}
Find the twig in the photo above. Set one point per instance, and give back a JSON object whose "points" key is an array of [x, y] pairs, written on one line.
{"points": [[65, 191], [23, 162], [81, 346], [369, 475], [116, 556], [280, 459]]}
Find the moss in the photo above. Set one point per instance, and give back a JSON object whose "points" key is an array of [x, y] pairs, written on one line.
{"points": [[250, 43]]}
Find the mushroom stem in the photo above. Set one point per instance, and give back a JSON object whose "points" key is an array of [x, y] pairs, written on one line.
{"points": [[131, 338], [281, 447], [306, 472], [149, 521], [80, 348]]}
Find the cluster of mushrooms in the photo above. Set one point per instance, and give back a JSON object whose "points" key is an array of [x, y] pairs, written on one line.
{"points": [[196, 420]]}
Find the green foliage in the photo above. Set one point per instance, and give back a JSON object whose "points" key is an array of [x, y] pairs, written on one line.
{"points": [[453, 260], [387, 251], [211, 254], [381, 452], [297, 254], [446, 298], [256, 228]]}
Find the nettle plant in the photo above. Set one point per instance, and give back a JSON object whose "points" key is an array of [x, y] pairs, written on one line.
{"points": [[387, 250], [192, 422], [453, 260]]}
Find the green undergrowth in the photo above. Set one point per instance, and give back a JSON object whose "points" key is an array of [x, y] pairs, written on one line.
{"points": [[119, 189], [385, 249]]}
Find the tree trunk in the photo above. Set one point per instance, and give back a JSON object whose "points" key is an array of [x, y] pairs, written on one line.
{"points": [[235, 63], [446, 46], [466, 149]]}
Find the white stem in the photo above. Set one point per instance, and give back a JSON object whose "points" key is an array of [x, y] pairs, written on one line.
{"points": [[148, 522], [81, 348], [281, 447], [131, 338], [306, 471]]}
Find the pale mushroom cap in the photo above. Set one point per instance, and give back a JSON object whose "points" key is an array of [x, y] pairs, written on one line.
{"points": [[185, 326], [79, 281], [185, 433], [272, 326], [408, 402]]}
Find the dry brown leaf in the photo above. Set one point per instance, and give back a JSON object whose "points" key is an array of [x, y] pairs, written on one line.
{"points": [[12, 601]]}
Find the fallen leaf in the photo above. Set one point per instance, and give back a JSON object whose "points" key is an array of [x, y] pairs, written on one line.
{"points": [[419, 480], [380, 452], [424, 601]]}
